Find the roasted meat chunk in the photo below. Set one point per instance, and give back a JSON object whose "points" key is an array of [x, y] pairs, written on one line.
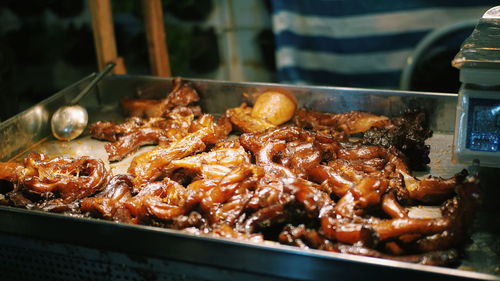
{"points": [[182, 95], [55, 183], [152, 165], [351, 122], [109, 203], [406, 133], [135, 132], [241, 117]]}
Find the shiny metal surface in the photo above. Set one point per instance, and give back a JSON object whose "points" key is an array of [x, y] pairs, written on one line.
{"points": [[69, 121], [31, 126], [479, 95], [241, 256]]}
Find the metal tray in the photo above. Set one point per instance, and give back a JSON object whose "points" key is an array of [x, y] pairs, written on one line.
{"points": [[29, 131]]}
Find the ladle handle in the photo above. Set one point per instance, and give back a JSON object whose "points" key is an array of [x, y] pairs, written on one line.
{"points": [[91, 85]]}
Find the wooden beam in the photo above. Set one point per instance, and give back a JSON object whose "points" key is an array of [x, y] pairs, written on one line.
{"points": [[156, 38], [104, 35]]}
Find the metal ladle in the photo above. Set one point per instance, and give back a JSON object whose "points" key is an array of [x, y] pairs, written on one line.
{"points": [[69, 121]]}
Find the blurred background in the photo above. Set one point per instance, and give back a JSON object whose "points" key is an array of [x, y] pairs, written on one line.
{"points": [[45, 45]]}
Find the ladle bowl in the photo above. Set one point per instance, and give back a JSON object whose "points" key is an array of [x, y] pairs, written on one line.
{"points": [[69, 121]]}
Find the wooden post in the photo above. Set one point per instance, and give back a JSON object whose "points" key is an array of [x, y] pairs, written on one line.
{"points": [[104, 35], [156, 38]]}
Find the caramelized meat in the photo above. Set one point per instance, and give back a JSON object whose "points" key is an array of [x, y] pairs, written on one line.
{"points": [[351, 122], [55, 183], [182, 95], [407, 133], [241, 118], [66, 178], [154, 164], [310, 184], [109, 203], [111, 131], [136, 132], [216, 163], [9, 171], [163, 200]]}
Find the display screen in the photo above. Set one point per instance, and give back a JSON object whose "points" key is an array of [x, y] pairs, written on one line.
{"points": [[483, 130]]}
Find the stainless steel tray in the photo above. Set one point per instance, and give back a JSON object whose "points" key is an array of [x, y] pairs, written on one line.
{"points": [[29, 131]]}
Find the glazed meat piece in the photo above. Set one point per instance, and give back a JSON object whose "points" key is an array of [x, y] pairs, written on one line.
{"points": [[216, 163], [109, 203], [271, 205], [430, 189], [219, 130], [182, 95], [304, 237], [136, 132], [271, 108], [460, 210], [67, 178], [407, 133], [226, 231], [156, 163], [226, 201], [351, 122], [241, 117], [129, 143], [9, 171], [111, 131], [453, 219], [268, 192], [352, 164], [392, 207], [276, 201], [218, 201], [288, 151], [162, 200], [152, 165], [53, 183]]}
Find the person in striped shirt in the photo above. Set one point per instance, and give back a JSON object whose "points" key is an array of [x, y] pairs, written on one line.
{"points": [[359, 43]]}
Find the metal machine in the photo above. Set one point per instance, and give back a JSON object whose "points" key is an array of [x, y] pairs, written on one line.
{"points": [[477, 132]]}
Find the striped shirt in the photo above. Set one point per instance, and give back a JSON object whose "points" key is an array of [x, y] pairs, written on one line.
{"points": [[358, 43]]}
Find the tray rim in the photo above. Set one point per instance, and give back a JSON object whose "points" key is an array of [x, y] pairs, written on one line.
{"points": [[267, 247]]}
